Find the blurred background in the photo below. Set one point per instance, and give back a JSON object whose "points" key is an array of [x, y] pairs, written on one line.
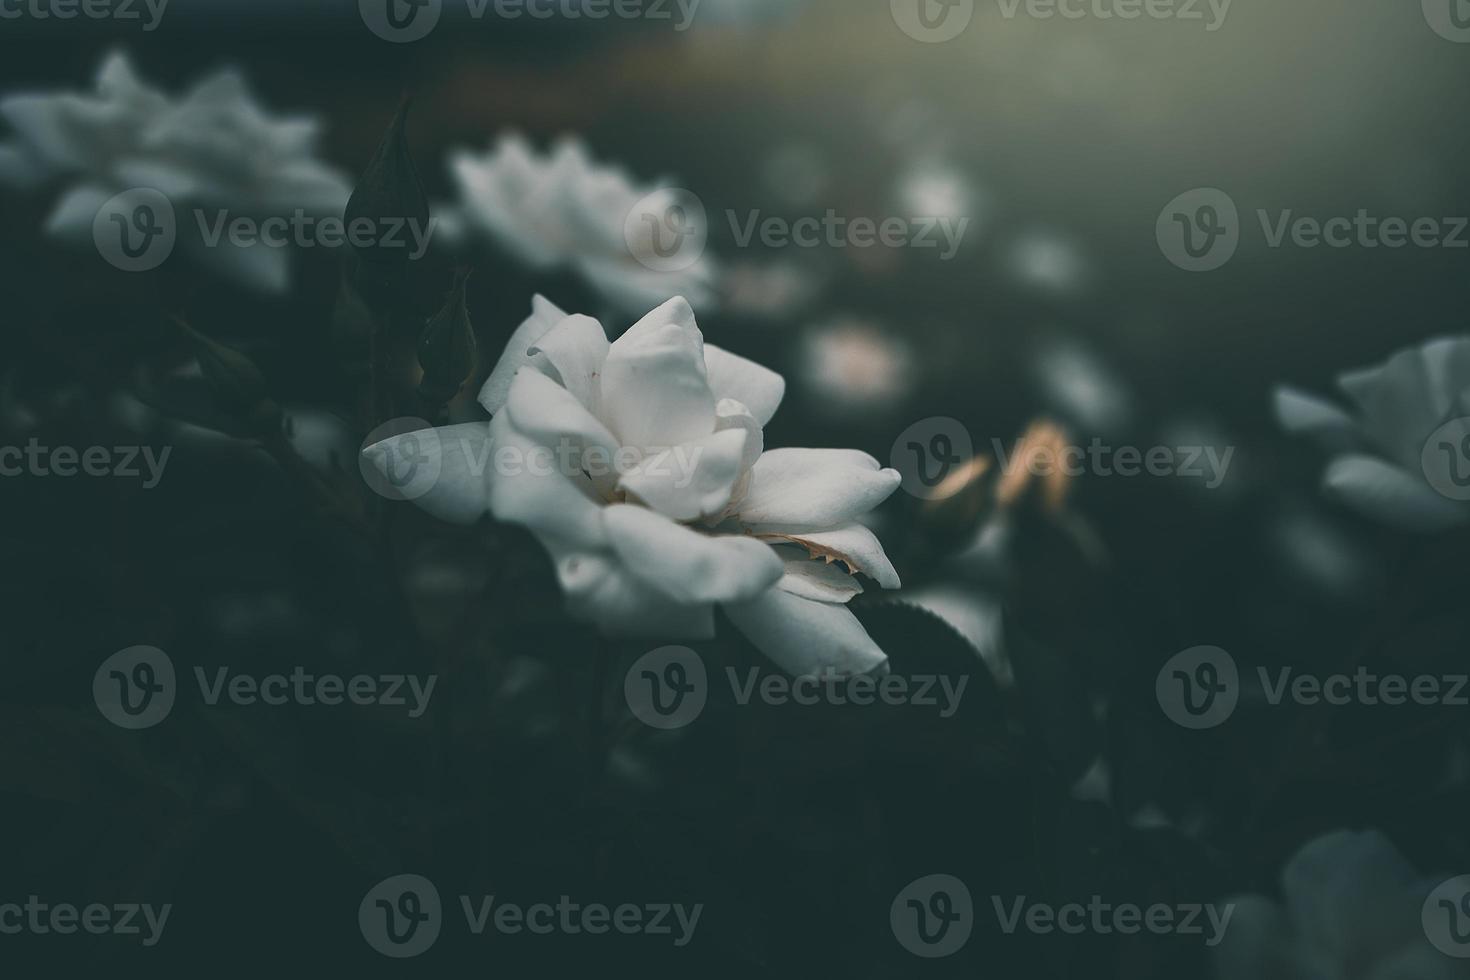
{"points": [[1061, 140]]}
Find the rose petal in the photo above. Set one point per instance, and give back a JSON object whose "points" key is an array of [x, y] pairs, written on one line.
{"points": [[455, 459], [686, 565], [1404, 400], [654, 391], [811, 578], [529, 487], [72, 218], [690, 482], [1348, 893], [1386, 493], [600, 589], [815, 488], [544, 315], [806, 638], [851, 543], [1303, 414], [575, 350], [730, 376]]}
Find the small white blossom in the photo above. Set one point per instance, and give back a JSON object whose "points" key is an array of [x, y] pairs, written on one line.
{"points": [[1351, 908], [693, 511], [851, 366], [1403, 459], [214, 148], [563, 210]]}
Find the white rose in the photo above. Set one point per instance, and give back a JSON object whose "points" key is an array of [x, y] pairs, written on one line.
{"points": [[641, 466], [1405, 460], [561, 209], [1353, 909], [214, 148]]}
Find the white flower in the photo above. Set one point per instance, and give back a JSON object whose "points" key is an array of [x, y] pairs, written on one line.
{"points": [[693, 513], [213, 148], [1352, 909], [1047, 261], [1403, 459], [851, 366], [561, 209]]}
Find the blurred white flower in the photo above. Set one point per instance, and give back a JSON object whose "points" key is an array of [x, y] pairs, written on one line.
{"points": [[1352, 909], [852, 366], [562, 209], [1316, 551], [1047, 261], [215, 147], [1403, 459], [770, 289], [933, 188], [1083, 390], [691, 513]]}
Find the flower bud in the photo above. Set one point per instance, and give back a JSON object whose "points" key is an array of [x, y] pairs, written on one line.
{"points": [[447, 347], [389, 196]]}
